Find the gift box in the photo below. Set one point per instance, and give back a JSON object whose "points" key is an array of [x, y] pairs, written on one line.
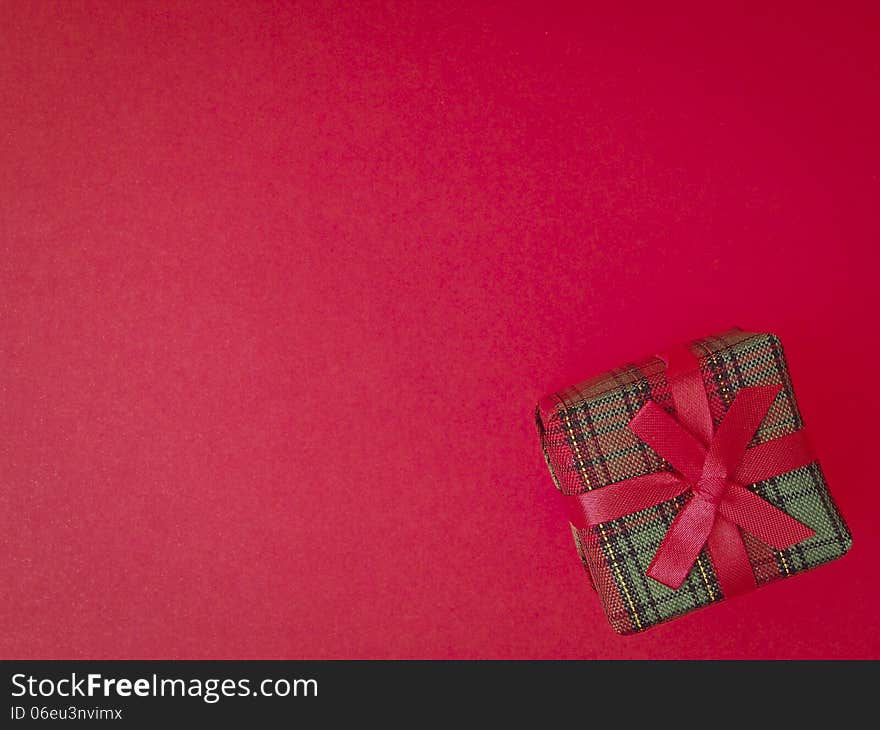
{"points": [[689, 478]]}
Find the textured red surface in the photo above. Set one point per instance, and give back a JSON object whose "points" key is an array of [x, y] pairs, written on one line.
{"points": [[280, 287]]}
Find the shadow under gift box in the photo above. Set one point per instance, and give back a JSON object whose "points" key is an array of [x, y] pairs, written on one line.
{"points": [[587, 444]]}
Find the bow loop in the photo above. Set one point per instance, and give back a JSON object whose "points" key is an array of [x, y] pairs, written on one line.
{"points": [[670, 439]]}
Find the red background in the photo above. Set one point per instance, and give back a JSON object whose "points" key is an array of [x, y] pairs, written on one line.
{"points": [[280, 287]]}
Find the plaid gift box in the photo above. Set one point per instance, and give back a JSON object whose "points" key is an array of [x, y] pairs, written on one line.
{"points": [[588, 445]]}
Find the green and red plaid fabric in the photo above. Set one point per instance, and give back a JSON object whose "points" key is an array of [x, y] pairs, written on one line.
{"points": [[587, 445]]}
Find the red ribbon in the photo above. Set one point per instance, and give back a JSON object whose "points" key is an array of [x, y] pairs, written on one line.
{"points": [[715, 465]]}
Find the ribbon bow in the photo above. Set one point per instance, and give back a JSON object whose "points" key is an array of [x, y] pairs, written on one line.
{"points": [[714, 465]]}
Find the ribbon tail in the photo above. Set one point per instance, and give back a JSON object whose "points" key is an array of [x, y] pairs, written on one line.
{"points": [[682, 543], [760, 518], [730, 559]]}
